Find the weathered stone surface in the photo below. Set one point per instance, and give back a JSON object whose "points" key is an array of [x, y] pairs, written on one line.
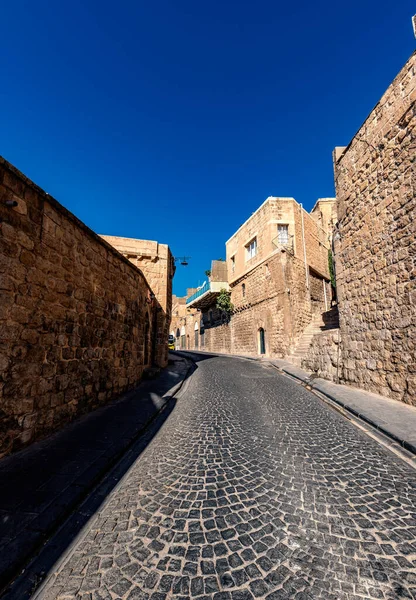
{"points": [[76, 317], [273, 290], [375, 256], [324, 357]]}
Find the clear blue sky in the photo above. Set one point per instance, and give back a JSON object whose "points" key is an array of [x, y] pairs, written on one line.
{"points": [[174, 120]]}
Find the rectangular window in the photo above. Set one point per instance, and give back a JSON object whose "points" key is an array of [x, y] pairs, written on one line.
{"points": [[283, 234], [251, 249], [232, 264]]}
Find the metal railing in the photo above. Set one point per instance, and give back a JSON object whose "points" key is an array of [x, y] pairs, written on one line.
{"points": [[286, 242], [205, 288]]}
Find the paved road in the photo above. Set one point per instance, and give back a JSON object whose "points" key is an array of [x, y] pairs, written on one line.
{"points": [[254, 488]]}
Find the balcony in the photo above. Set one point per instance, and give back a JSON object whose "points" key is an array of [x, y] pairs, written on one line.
{"points": [[206, 294], [284, 242]]}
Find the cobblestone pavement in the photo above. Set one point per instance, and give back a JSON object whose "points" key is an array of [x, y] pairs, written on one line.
{"points": [[254, 488]]}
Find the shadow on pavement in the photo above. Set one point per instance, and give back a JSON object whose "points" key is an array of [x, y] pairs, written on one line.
{"points": [[51, 489]]}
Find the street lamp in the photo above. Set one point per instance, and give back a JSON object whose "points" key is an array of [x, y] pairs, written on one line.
{"points": [[183, 260]]}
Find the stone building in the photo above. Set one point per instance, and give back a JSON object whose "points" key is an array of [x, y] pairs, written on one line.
{"points": [[277, 273], [157, 264], [214, 332], [77, 319], [375, 178], [182, 323]]}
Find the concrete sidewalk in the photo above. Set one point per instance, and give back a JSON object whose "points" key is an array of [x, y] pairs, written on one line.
{"points": [[393, 418], [42, 484]]}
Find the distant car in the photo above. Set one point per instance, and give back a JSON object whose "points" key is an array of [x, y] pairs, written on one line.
{"points": [[171, 342]]}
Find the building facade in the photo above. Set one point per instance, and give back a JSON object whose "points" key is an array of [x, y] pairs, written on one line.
{"points": [[278, 276], [375, 245], [214, 324], [277, 273], [158, 266]]}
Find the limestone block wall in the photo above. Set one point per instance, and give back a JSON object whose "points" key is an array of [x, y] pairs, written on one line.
{"points": [[275, 298], [218, 337], [309, 232], [375, 261], [324, 355], [157, 264], [75, 317]]}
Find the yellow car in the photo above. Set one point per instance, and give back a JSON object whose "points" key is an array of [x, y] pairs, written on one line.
{"points": [[171, 343]]}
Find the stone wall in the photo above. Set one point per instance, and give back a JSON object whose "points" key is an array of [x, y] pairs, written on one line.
{"points": [[75, 316], [217, 335], [324, 355], [157, 265], [376, 247], [275, 298]]}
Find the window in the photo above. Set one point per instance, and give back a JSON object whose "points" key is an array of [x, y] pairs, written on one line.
{"points": [[243, 290], [283, 234], [232, 264], [211, 317], [251, 249]]}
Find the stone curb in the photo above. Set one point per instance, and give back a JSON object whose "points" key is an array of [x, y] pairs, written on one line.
{"points": [[404, 443], [19, 559]]}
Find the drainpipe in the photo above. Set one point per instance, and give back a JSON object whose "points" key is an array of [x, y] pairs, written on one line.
{"points": [[304, 248], [326, 301]]}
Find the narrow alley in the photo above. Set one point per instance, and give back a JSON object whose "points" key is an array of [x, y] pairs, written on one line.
{"points": [[253, 488]]}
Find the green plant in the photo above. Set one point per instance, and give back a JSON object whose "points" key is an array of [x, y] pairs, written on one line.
{"points": [[221, 259], [224, 302], [331, 268], [208, 272]]}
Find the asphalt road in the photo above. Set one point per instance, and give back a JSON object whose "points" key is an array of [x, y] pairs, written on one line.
{"points": [[253, 488]]}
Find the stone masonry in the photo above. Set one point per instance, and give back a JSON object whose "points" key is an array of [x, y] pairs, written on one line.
{"points": [[376, 245], [281, 287], [324, 357], [76, 317], [157, 264]]}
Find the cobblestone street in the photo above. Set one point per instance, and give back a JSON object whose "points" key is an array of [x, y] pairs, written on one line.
{"points": [[253, 488]]}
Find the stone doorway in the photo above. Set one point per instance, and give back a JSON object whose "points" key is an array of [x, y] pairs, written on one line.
{"points": [[262, 341]]}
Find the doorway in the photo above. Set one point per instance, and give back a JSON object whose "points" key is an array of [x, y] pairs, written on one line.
{"points": [[262, 341]]}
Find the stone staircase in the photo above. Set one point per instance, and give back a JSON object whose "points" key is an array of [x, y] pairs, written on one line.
{"points": [[322, 322]]}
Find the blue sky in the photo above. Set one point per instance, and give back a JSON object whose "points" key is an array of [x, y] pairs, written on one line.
{"points": [[173, 121]]}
